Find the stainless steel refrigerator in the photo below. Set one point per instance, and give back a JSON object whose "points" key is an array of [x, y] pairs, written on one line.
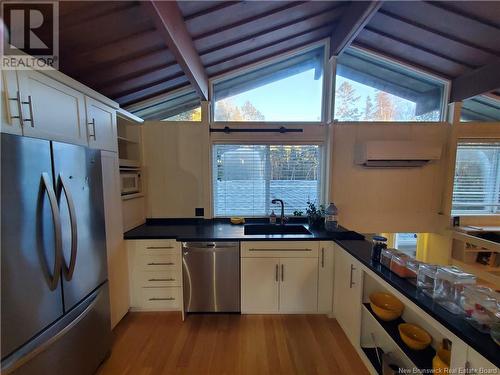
{"points": [[54, 292]]}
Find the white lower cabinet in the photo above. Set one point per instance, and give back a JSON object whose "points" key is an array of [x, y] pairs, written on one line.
{"points": [[325, 277], [279, 277], [155, 275], [259, 285], [298, 285], [347, 294]]}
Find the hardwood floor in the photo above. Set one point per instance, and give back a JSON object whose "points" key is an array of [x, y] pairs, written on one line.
{"points": [[159, 343]]}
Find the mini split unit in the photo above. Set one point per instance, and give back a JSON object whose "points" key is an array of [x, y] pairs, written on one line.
{"points": [[395, 154]]}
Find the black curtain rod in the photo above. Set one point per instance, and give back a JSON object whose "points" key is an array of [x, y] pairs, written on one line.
{"points": [[228, 130]]}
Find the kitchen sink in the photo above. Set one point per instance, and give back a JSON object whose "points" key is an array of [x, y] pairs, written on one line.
{"points": [[275, 229]]}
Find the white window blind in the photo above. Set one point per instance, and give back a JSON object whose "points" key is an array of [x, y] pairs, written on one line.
{"points": [[247, 177], [476, 187]]}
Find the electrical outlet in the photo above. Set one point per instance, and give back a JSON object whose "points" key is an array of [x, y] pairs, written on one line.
{"points": [[199, 211]]}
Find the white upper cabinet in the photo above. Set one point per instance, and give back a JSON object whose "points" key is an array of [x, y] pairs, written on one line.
{"points": [[101, 125], [50, 109], [11, 120]]}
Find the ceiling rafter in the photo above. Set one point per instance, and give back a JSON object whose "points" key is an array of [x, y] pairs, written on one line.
{"points": [[479, 81], [169, 21], [419, 47], [246, 20], [273, 28], [354, 19], [438, 32]]}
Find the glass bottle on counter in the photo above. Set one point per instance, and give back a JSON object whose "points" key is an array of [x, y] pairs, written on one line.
{"points": [[379, 243], [331, 218], [272, 218]]}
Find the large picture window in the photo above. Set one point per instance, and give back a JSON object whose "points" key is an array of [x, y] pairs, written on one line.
{"points": [[247, 177], [476, 187], [286, 90], [368, 88]]}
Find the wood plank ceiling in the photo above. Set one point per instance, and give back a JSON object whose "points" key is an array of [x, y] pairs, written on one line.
{"points": [[115, 48]]}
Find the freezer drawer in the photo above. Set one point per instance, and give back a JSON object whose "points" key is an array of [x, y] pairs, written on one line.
{"points": [[211, 277], [76, 344]]}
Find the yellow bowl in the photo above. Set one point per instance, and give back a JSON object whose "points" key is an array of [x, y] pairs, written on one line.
{"points": [[441, 362], [237, 220], [414, 336], [386, 306]]}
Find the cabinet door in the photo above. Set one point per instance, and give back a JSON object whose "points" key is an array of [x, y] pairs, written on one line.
{"points": [[347, 294], [477, 364], [115, 245], [101, 123], [325, 277], [298, 285], [51, 110], [11, 121], [259, 285]]}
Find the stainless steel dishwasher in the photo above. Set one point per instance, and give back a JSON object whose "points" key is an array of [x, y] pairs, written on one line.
{"points": [[211, 275]]}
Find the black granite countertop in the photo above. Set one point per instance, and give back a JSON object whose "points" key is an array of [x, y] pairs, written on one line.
{"points": [[482, 343], [222, 230]]}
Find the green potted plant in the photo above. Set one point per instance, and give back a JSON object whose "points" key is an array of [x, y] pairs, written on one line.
{"points": [[315, 215]]}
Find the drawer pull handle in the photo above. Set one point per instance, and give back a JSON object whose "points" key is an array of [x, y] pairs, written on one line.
{"points": [[162, 299], [279, 249], [161, 264], [169, 279], [159, 247]]}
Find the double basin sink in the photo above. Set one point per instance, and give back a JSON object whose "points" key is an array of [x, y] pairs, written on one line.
{"points": [[256, 229]]}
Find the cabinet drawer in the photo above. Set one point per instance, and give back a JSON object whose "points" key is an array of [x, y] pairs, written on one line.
{"points": [[159, 262], [160, 247], [160, 298], [280, 249], [159, 278]]}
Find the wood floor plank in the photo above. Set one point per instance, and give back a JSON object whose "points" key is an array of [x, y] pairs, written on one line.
{"points": [[159, 343]]}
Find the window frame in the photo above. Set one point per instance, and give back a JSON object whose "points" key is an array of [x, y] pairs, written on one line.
{"points": [[323, 190], [471, 213], [325, 43], [398, 64]]}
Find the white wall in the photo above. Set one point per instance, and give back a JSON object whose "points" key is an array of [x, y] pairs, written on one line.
{"points": [[176, 168], [387, 200]]}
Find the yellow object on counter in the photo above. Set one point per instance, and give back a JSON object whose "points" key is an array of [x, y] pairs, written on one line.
{"points": [[386, 306], [237, 220], [414, 337]]}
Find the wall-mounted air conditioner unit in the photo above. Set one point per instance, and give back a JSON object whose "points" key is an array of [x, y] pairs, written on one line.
{"points": [[396, 154]]}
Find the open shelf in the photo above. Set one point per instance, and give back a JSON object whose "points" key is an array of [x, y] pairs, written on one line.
{"points": [[130, 163], [123, 139], [371, 354], [126, 197], [422, 359]]}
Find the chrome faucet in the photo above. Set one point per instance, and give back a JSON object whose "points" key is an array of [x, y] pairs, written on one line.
{"points": [[282, 219]]}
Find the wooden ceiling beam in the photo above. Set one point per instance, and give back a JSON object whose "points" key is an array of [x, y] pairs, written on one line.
{"points": [[476, 82], [170, 23], [354, 19]]}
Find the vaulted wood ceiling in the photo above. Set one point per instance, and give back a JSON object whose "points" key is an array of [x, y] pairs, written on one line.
{"points": [[117, 48]]}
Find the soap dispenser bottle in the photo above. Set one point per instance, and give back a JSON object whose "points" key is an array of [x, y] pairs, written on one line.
{"points": [[272, 218]]}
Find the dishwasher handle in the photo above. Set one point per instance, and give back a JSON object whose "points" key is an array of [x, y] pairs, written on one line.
{"points": [[197, 250]]}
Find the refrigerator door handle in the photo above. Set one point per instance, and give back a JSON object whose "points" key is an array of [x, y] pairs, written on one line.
{"points": [[31, 352], [54, 278], [62, 185]]}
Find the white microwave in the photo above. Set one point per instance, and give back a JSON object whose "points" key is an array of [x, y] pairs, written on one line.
{"points": [[130, 182]]}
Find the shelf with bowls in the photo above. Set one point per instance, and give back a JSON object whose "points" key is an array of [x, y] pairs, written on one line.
{"points": [[422, 359], [371, 354]]}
